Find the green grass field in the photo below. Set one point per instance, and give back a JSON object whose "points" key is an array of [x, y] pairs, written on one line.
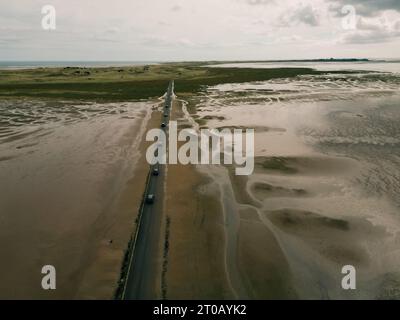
{"points": [[128, 83]]}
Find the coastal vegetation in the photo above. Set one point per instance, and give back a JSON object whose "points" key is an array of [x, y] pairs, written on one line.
{"points": [[129, 83]]}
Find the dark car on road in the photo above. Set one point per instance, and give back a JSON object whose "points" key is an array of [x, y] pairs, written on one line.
{"points": [[150, 198]]}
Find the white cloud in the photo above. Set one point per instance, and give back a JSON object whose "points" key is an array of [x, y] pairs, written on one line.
{"points": [[305, 14], [192, 30], [372, 32], [367, 7]]}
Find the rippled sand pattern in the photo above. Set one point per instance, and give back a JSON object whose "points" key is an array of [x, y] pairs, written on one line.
{"points": [[308, 89], [19, 119], [326, 183]]}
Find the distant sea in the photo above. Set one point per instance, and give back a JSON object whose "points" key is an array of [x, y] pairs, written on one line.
{"points": [[388, 65], [12, 65], [384, 65]]}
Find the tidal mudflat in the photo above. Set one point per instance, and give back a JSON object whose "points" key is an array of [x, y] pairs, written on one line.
{"points": [[325, 191], [73, 171], [65, 170]]}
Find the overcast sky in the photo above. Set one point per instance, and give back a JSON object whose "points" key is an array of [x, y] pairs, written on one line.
{"points": [[160, 30]]}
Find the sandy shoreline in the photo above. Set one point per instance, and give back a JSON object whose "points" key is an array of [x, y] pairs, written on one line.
{"points": [[196, 267]]}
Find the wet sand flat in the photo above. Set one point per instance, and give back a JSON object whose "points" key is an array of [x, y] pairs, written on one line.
{"points": [[195, 265], [71, 182], [324, 193]]}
